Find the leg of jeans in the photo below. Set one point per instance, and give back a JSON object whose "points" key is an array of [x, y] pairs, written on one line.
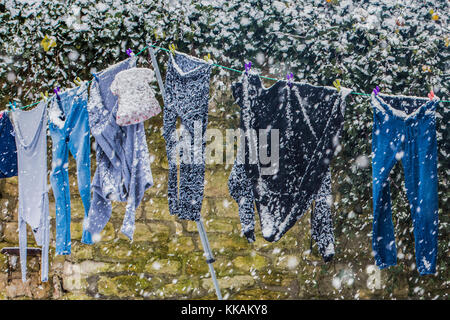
{"points": [[80, 148], [59, 179], [384, 148], [420, 165], [170, 120]]}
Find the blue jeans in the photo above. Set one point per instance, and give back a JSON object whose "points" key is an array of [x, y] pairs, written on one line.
{"points": [[404, 129], [69, 130]]}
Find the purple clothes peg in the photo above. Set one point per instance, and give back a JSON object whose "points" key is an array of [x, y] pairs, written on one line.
{"points": [[248, 66], [290, 77], [129, 52], [376, 90], [56, 90]]}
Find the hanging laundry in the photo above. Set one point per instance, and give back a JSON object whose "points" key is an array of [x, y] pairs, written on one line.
{"points": [[186, 97], [69, 130], [123, 162], [30, 133], [308, 119], [404, 129], [137, 101], [8, 150]]}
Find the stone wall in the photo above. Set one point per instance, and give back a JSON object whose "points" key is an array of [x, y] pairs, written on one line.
{"points": [[165, 260]]}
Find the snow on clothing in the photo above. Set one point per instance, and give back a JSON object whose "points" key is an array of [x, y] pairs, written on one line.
{"points": [[123, 163], [30, 133], [405, 129], [8, 150], [309, 119], [137, 101], [186, 97], [69, 130]]}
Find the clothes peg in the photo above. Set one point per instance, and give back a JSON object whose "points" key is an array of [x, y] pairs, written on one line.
{"points": [[13, 107], [290, 77], [337, 84], [95, 76], [248, 66], [172, 48], [44, 96], [207, 58], [56, 90], [1, 114], [400, 21], [431, 95], [130, 52], [376, 90], [77, 81]]}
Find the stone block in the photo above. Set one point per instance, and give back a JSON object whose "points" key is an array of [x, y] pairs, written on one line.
{"points": [[236, 282], [163, 266], [250, 261], [181, 245]]}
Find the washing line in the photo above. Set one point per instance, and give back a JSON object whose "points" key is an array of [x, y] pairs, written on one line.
{"points": [[216, 65]]}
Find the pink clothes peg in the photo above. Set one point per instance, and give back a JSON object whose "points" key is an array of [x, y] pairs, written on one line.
{"points": [[431, 95]]}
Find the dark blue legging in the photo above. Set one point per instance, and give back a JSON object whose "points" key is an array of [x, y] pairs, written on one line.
{"points": [[186, 97]]}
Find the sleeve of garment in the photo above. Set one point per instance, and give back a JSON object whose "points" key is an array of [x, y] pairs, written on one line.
{"points": [[321, 220], [241, 190], [114, 86], [149, 75]]}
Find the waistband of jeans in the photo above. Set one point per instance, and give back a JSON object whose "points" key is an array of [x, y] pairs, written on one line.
{"points": [[428, 107]]}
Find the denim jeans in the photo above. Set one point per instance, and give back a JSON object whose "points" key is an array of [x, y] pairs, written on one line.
{"points": [[404, 129], [69, 129]]}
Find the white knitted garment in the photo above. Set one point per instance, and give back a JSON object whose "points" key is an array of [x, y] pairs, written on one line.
{"points": [[137, 101]]}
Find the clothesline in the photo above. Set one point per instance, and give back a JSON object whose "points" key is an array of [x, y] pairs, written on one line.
{"points": [[216, 65]]}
